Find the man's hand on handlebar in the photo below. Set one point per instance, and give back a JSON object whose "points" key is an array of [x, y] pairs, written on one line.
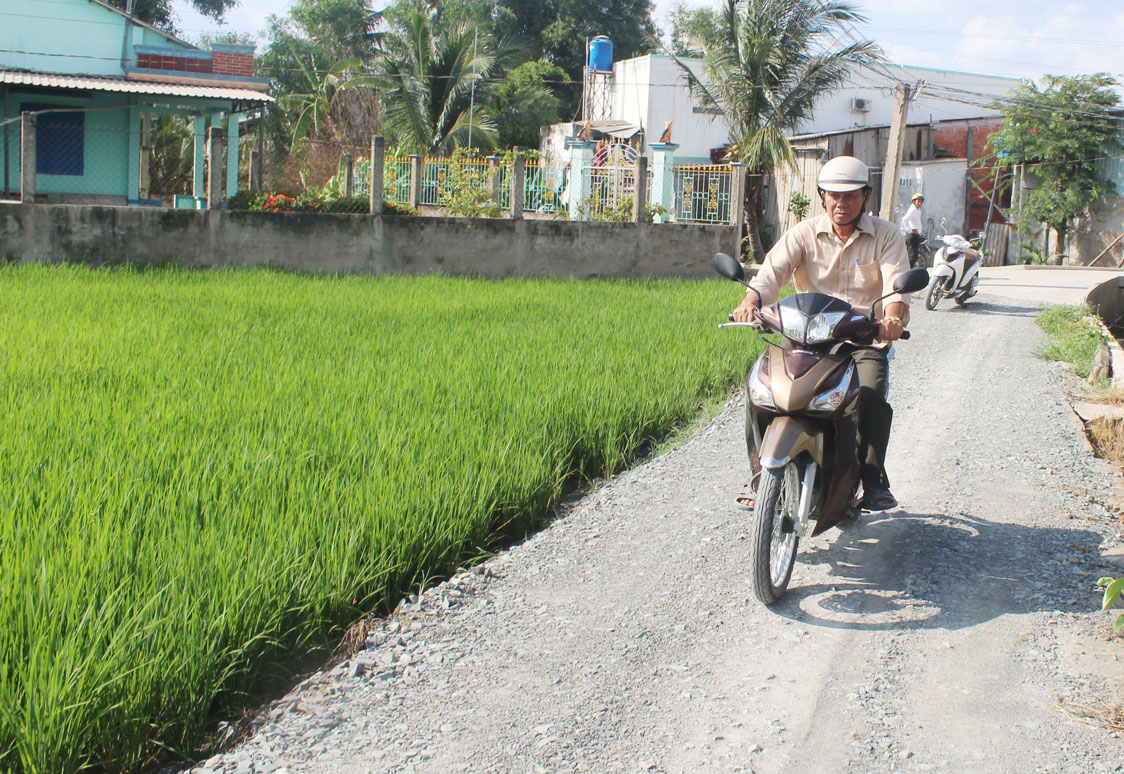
{"points": [[889, 329], [747, 310], [890, 326]]}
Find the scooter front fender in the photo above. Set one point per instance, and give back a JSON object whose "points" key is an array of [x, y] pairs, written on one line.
{"points": [[788, 436], [943, 271]]}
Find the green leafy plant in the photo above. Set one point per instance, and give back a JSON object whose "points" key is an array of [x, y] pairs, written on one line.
{"points": [[467, 193], [1037, 257], [798, 205], [653, 211], [1112, 590], [1072, 336]]}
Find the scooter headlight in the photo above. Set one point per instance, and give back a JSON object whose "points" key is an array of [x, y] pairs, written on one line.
{"points": [[793, 323], [816, 330], [760, 393], [832, 398], [822, 327]]}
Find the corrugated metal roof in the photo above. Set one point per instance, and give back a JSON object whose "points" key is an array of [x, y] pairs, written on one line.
{"points": [[124, 86]]}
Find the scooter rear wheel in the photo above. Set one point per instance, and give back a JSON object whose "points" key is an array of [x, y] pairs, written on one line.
{"points": [[773, 548], [933, 296]]}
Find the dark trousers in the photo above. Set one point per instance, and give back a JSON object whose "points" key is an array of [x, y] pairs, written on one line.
{"points": [[875, 418], [914, 241]]}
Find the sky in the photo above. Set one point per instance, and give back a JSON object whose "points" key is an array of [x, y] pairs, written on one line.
{"points": [[1014, 38]]}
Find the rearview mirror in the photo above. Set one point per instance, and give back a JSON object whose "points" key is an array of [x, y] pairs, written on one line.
{"points": [[911, 281], [730, 268]]}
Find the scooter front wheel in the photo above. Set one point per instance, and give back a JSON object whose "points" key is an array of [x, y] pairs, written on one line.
{"points": [[933, 296], [773, 548]]}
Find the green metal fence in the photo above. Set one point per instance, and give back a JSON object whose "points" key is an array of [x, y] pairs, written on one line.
{"points": [[702, 194]]}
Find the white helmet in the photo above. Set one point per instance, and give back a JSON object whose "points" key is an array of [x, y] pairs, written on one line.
{"points": [[844, 173]]}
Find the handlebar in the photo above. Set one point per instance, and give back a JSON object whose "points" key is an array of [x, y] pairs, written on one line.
{"points": [[759, 327]]}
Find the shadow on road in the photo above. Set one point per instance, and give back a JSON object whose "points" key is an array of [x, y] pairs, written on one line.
{"points": [[989, 307], [914, 571]]}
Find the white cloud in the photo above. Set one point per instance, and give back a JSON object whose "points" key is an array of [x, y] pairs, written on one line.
{"points": [[1068, 41]]}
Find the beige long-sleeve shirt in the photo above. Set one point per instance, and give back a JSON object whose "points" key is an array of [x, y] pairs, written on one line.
{"points": [[858, 271]]}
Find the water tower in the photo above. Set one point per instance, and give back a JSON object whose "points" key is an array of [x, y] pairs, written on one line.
{"points": [[597, 80]]}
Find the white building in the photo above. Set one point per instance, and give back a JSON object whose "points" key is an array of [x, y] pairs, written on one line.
{"points": [[648, 92]]}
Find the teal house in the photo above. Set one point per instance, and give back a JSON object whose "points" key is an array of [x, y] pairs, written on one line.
{"points": [[97, 81]]}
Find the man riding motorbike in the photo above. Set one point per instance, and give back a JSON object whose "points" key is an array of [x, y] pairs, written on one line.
{"points": [[856, 257]]}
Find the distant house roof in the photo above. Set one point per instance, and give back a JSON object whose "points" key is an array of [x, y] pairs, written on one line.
{"points": [[886, 127], [126, 86]]}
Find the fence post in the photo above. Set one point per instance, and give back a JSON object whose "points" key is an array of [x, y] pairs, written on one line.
{"points": [[253, 174], [199, 163], [737, 205], [663, 179], [415, 180], [493, 178], [214, 167], [518, 176], [348, 174], [378, 161], [640, 195], [233, 133], [27, 158], [145, 151], [581, 154]]}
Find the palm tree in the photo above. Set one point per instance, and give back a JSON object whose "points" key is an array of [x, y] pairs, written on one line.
{"points": [[428, 77], [319, 108], [766, 64]]}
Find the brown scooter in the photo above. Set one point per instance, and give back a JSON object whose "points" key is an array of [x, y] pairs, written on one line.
{"points": [[803, 402]]}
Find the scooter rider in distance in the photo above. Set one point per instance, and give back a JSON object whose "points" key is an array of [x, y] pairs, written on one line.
{"points": [[855, 257]]}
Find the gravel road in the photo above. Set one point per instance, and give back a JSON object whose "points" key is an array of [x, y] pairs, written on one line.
{"points": [[949, 635]]}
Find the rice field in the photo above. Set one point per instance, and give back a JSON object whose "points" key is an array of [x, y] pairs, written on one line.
{"points": [[205, 475]]}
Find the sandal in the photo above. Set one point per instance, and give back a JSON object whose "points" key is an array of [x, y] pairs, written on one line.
{"points": [[879, 500], [746, 502]]}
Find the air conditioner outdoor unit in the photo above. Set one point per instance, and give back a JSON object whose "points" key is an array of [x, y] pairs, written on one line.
{"points": [[860, 104]]}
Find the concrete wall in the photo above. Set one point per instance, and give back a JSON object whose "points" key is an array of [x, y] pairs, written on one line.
{"points": [[1090, 236], [942, 184], [316, 242]]}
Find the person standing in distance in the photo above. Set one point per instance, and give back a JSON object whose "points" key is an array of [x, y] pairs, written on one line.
{"points": [[912, 227], [855, 257]]}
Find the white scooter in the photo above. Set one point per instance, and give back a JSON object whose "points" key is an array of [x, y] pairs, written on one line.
{"points": [[956, 271]]}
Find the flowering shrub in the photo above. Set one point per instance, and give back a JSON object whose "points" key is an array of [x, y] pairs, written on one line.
{"points": [[277, 202], [309, 201]]}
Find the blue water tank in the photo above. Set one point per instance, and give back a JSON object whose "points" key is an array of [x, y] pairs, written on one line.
{"points": [[601, 54]]}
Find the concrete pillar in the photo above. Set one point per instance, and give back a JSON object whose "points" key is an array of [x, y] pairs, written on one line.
{"points": [[348, 174], [737, 206], [214, 167], [581, 156], [27, 157], [518, 177], [132, 182], [253, 174], [233, 127], [415, 180], [199, 166], [640, 196], [145, 152], [493, 178], [663, 178], [378, 164]]}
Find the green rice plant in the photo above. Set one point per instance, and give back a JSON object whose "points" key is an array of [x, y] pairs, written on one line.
{"points": [[207, 475], [1071, 336]]}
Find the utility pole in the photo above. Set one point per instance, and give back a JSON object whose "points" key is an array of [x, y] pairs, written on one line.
{"points": [[892, 168]]}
